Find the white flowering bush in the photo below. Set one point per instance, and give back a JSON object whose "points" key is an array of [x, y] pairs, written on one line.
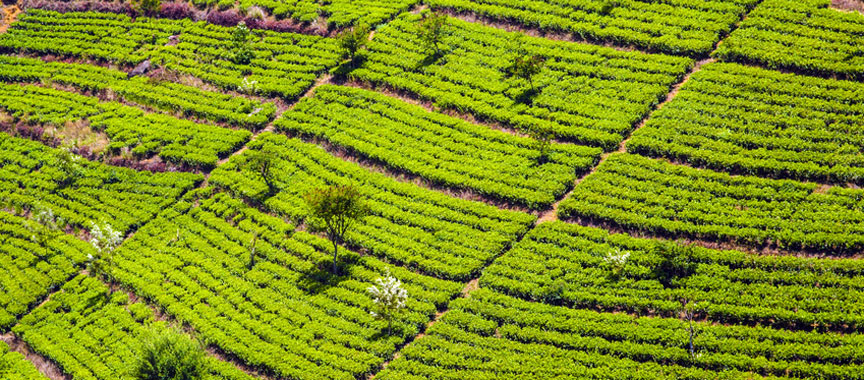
{"points": [[52, 225], [616, 260], [389, 297], [248, 86], [104, 239]]}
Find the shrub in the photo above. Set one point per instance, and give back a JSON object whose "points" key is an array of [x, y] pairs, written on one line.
{"points": [[176, 11], [226, 18], [169, 355]]}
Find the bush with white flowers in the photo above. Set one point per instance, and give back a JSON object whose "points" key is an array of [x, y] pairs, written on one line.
{"points": [[389, 297]]}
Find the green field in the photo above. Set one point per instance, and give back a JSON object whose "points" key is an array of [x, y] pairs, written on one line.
{"points": [[432, 189]]}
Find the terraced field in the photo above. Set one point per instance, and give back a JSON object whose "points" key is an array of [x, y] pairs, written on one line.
{"points": [[544, 189]]}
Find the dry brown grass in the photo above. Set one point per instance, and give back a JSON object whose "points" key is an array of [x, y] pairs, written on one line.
{"points": [[79, 133], [9, 15], [848, 5]]}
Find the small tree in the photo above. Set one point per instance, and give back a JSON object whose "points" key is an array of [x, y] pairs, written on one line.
{"points": [[169, 355], [689, 310], [526, 66], [261, 162], [105, 240], [241, 52], [352, 40], [148, 7], [335, 210], [252, 248], [69, 165], [389, 298], [542, 136], [676, 261], [431, 31], [51, 226]]}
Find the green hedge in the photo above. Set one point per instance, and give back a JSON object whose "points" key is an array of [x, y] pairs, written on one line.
{"points": [[287, 314], [589, 94], [91, 336], [805, 36], [759, 122], [563, 263], [442, 149], [649, 195], [435, 233], [687, 27]]}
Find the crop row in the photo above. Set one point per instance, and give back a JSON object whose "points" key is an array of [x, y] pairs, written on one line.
{"points": [[167, 96], [805, 36], [441, 235], [14, 366], [493, 336], [439, 148], [563, 263], [589, 94], [30, 270], [654, 196], [282, 64], [34, 175], [339, 13], [282, 312], [688, 27], [175, 140], [760, 122], [91, 336]]}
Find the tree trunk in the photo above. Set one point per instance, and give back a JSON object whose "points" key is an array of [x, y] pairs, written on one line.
{"points": [[389, 326], [335, 251]]}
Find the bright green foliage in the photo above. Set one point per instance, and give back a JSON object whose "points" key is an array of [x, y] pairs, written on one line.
{"points": [[283, 64], [729, 286], [654, 196], [13, 366], [419, 228], [288, 314], [28, 271], [442, 149], [339, 13], [800, 35], [687, 27], [430, 31], [760, 122], [241, 53], [111, 37], [335, 210], [168, 354], [29, 177], [45, 105], [94, 337], [589, 94], [167, 96], [145, 134], [491, 336], [175, 140]]}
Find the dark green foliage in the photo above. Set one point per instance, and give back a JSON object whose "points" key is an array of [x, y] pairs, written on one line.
{"points": [[676, 262], [334, 210], [169, 355], [352, 40]]}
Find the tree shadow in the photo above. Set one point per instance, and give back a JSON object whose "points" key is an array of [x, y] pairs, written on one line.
{"points": [[431, 59], [526, 96], [321, 278]]}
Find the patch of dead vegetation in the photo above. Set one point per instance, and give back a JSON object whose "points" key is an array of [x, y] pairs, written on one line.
{"points": [[848, 5]]}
